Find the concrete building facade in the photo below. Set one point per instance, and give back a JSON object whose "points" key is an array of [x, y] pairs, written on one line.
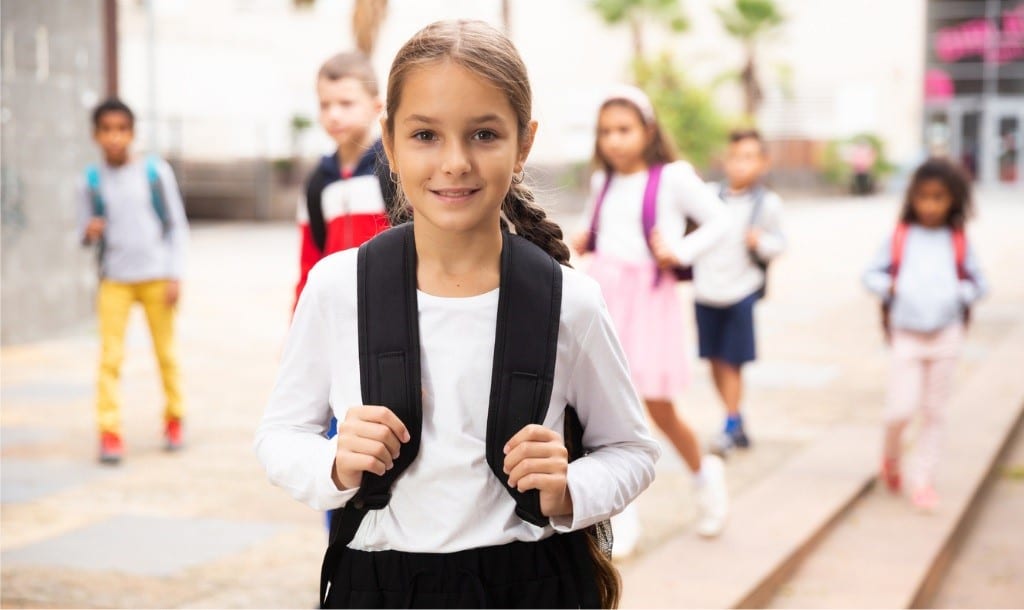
{"points": [[229, 75], [51, 55]]}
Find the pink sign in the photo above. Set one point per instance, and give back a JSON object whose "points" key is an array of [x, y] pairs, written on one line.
{"points": [[983, 38], [938, 85]]}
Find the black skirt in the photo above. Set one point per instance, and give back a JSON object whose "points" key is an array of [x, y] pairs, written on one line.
{"points": [[552, 573]]}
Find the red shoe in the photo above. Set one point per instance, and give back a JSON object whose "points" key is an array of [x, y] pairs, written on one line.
{"points": [[173, 437], [891, 474], [111, 449]]}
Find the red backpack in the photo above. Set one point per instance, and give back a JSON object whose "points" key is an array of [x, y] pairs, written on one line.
{"points": [[899, 242]]}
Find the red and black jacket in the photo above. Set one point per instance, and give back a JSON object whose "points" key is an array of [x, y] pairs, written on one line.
{"points": [[341, 212]]}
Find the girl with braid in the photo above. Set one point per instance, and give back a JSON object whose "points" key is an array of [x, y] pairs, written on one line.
{"points": [[457, 133]]}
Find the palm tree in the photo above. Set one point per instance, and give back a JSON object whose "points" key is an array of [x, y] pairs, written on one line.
{"points": [[636, 12], [749, 21], [367, 17]]}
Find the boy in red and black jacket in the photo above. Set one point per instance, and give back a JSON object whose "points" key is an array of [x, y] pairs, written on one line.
{"points": [[349, 193]]}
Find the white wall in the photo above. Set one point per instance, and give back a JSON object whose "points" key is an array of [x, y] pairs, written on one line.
{"points": [[857, 66], [235, 71]]}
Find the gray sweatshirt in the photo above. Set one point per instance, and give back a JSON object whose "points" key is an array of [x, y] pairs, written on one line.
{"points": [[725, 274], [136, 249], [928, 296]]}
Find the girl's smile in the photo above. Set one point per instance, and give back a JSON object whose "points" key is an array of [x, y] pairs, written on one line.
{"points": [[454, 196]]}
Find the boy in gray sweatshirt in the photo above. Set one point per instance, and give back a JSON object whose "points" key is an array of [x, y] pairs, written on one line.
{"points": [[131, 209]]}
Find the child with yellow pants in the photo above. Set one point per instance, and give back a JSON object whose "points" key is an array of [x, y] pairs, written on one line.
{"points": [[132, 209]]}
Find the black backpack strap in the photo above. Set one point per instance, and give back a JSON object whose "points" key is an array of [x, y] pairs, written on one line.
{"points": [[755, 217], [389, 365], [389, 346], [525, 349], [318, 180]]}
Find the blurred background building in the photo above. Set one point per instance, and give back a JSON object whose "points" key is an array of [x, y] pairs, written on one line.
{"points": [[234, 78], [974, 86], [225, 90]]}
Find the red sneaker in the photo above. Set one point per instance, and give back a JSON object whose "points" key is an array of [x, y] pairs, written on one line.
{"points": [[111, 449], [891, 474], [173, 437]]}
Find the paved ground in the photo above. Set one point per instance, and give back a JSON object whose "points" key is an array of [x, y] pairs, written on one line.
{"points": [[988, 571], [205, 529]]}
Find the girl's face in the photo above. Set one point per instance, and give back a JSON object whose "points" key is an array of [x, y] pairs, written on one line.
{"points": [[455, 147], [622, 138], [932, 202]]}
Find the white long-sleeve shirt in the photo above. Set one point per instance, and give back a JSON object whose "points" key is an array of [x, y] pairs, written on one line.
{"points": [[681, 194], [136, 249], [725, 274], [448, 499]]}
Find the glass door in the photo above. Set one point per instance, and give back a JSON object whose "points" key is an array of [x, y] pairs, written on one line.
{"points": [[1008, 156]]}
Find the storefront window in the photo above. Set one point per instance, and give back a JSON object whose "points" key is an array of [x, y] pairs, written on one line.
{"points": [[1009, 149]]}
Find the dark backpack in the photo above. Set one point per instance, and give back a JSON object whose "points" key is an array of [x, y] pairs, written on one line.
{"points": [[522, 378], [648, 218]]}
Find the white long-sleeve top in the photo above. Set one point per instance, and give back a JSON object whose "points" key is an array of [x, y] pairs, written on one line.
{"points": [[681, 194], [448, 499], [725, 274]]}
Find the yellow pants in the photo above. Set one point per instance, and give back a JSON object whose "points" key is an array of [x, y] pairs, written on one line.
{"points": [[114, 304]]}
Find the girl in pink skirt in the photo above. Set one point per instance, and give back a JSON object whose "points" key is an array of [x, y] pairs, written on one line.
{"points": [[643, 198]]}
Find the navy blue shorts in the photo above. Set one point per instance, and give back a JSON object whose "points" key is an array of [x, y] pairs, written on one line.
{"points": [[727, 333]]}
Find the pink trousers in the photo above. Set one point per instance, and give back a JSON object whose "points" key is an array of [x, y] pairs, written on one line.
{"points": [[920, 381]]}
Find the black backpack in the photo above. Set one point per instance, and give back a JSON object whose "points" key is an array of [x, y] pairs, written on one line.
{"points": [[522, 377]]}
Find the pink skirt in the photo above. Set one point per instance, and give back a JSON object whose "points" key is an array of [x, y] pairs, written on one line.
{"points": [[648, 318]]}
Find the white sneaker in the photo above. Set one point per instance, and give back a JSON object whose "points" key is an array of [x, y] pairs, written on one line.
{"points": [[712, 497], [626, 530]]}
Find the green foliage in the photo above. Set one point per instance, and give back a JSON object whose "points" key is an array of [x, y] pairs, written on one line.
{"points": [[667, 12], [283, 165], [300, 123], [747, 20], [686, 112], [836, 168]]}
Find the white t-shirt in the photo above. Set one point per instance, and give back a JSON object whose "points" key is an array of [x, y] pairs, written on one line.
{"points": [[681, 194], [448, 499], [725, 274]]}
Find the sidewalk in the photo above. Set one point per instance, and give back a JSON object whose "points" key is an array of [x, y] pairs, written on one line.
{"points": [[204, 529]]}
